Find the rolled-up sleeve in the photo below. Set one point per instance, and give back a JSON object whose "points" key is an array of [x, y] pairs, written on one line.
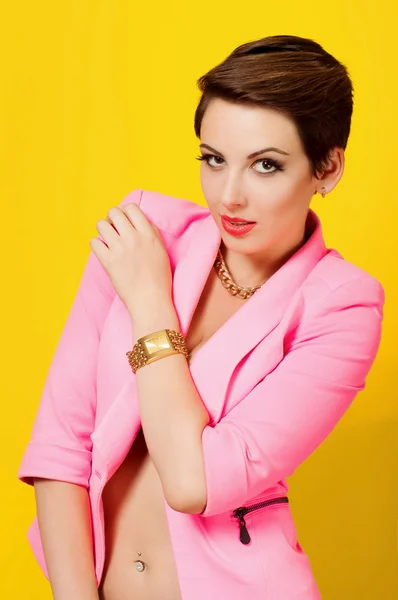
{"points": [[60, 444], [264, 438]]}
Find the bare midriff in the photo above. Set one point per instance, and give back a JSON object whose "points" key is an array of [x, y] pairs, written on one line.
{"points": [[136, 527]]}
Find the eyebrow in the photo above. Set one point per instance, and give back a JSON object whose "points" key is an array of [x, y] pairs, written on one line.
{"points": [[253, 155]]}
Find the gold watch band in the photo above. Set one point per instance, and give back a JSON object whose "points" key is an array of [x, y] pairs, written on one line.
{"points": [[154, 346]]}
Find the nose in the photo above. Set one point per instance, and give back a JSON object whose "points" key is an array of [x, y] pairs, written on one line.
{"points": [[232, 193]]}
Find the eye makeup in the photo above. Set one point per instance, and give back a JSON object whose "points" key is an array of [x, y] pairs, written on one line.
{"points": [[276, 165]]}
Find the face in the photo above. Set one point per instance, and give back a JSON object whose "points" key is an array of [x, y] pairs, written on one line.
{"points": [[273, 188]]}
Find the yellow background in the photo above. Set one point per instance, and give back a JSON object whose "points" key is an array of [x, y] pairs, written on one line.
{"points": [[97, 98]]}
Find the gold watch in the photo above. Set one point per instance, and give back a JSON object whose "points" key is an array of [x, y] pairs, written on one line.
{"points": [[154, 346]]}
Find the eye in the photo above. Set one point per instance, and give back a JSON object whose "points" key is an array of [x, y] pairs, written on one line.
{"points": [[266, 164], [208, 157]]}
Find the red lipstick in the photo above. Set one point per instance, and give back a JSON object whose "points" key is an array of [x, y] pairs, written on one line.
{"points": [[235, 219], [232, 227]]}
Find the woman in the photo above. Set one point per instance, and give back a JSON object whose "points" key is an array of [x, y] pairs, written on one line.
{"points": [[162, 474]]}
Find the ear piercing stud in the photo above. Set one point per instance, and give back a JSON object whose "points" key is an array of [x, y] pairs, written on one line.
{"points": [[323, 192]]}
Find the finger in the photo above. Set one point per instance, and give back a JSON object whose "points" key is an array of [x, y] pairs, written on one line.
{"points": [[137, 218], [107, 218], [108, 232], [156, 230], [100, 249], [119, 220]]}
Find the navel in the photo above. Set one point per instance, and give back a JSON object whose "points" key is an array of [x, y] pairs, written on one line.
{"points": [[139, 564]]}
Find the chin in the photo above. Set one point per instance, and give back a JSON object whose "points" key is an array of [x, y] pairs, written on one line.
{"points": [[241, 246]]}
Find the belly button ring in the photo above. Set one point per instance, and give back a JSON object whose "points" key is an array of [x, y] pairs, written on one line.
{"points": [[140, 566]]}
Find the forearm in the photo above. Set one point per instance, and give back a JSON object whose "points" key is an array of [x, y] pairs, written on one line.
{"points": [[172, 415], [64, 518]]}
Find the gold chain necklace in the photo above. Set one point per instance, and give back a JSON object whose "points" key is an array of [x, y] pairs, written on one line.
{"points": [[233, 288]]}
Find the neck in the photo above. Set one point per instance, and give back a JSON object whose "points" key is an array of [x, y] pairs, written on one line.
{"points": [[249, 270]]}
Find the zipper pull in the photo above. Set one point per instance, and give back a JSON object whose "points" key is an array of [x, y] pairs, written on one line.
{"points": [[244, 535]]}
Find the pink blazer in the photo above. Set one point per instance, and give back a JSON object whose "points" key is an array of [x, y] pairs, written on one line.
{"points": [[275, 378]]}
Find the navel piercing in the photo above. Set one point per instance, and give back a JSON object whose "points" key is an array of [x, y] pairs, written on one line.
{"points": [[139, 565]]}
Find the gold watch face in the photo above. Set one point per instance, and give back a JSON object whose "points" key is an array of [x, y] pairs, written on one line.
{"points": [[160, 342]]}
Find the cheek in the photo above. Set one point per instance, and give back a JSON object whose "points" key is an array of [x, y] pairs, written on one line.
{"points": [[281, 191], [210, 185]]}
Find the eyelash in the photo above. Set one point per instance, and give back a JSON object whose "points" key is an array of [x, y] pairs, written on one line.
{"points": [[274, 163]]}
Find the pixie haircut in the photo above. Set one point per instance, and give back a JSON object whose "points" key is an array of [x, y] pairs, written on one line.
{"points": [[294, 76]]}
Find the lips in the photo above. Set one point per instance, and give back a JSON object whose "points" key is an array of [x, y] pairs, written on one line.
{"points": [[235, 228], [235, 219]]}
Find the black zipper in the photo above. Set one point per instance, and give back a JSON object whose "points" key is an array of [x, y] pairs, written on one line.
{"points": [[239, 513]]}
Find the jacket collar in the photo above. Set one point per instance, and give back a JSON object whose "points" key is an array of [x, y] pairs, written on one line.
{"points": [[257, 317]]}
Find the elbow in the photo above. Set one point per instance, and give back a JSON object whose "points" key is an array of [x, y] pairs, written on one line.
{"points": [[187, 501], [185, 490]]}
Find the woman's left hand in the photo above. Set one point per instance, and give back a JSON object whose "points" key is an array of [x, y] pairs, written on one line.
{"points": [[134, 256]]}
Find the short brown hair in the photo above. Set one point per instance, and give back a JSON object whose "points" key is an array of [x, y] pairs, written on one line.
{"points": [[294, 76]]}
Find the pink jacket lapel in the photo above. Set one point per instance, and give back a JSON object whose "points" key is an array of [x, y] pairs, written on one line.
{"points": [[256, 318], [252, 323]]}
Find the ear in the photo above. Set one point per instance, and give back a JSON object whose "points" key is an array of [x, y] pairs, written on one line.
{"points": [[333, 170]]}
